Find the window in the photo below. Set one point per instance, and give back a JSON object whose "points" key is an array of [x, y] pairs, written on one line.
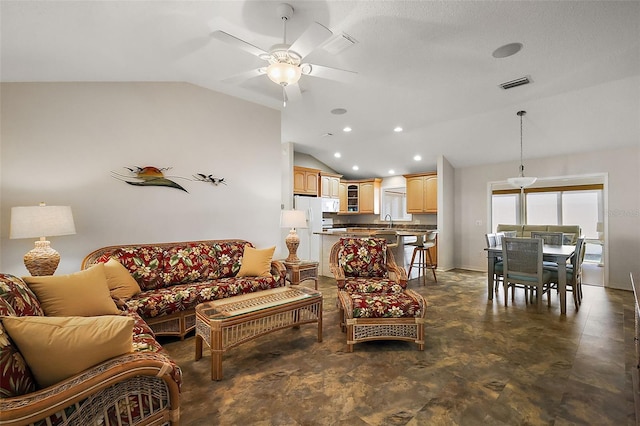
{"points": [[569, 205], [504, 209], [394, 203], [542, 208]]}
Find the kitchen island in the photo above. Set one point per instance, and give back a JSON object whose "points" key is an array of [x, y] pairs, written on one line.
{"points": [[402, 251]]}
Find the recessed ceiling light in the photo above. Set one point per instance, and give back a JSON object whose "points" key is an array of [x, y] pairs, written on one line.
{"points": [[355, 168], [391, 171], [417, 157], [397, 129], [338, 111], [347, 129], [507, 50], [337, 155]]}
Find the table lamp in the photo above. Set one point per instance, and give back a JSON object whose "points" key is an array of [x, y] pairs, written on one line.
{"points": [[293, 219], [41, 221]]}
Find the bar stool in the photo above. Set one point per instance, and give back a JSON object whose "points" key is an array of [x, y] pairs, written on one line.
{"points": [[422, 246]]}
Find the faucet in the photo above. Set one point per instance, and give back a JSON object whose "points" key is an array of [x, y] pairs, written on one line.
{"points": [[390, 220]]}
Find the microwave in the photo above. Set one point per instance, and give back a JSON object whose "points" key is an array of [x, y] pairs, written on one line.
{"points": [[330, 205]]}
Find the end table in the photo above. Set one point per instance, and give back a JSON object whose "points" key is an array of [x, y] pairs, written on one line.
{"points": [[302, 271]]}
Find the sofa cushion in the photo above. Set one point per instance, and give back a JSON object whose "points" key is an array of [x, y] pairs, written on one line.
{"points": [[120, 282], [144, 263], [181, 297], [384, 305], [229, 256], [189, 263], [17, 378], [85, 340], [256, 263], [363, 257], [83, 293], [19, 296]]}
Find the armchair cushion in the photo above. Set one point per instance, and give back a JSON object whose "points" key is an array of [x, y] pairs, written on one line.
{"points": [[369, 285], [65, 346], [83, 293], [387, 305], [363, 257]]}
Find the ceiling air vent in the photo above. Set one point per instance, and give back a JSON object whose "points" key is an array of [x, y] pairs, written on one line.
{"points": [[515, 83]]}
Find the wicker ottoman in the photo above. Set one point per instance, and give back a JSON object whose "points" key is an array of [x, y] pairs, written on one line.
{"points": [[382, 316]]}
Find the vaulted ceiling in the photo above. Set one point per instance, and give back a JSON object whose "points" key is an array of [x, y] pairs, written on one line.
{"points": [[426, 66]]}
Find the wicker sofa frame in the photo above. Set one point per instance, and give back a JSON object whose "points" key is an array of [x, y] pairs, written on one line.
{"points": [[92, 392], [179, 323], [140, 388]]}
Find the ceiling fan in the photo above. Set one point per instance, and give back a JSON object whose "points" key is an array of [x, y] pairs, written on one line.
{"points": [[285, 60]]}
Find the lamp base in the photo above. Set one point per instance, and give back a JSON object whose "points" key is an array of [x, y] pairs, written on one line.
{"points": [[292, 241], [42, 260]]}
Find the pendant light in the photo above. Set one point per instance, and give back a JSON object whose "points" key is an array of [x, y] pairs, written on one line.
{"points": [[521, 181]]}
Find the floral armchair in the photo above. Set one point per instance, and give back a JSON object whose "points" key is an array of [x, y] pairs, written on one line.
{"points": [[366, 265], [373, 300]]}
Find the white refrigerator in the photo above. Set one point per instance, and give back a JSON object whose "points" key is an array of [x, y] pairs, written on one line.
{"points": [[309, 248]]}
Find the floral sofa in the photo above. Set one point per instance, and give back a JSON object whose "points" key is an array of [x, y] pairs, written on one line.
{"points": [[139, 387], [175, 277]]}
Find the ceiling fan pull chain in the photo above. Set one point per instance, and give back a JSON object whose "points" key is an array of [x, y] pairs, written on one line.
{"points": [[284, 97]]}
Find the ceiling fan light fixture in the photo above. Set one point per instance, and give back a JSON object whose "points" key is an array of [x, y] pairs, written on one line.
{"points": [[283, 73]]}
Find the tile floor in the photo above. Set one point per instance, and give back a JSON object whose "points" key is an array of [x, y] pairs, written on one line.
{"points": [[483, 364]]}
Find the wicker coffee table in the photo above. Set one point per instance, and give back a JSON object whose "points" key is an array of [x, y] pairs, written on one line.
{"points": [[223, 324]]}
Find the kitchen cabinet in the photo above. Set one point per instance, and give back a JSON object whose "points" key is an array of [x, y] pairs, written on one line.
{"points": [[342, 195], [305, 181], [329, 185], [360, 196], [422, 193]]}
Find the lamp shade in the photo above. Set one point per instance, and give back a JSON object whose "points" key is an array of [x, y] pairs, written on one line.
{"points": [[41, 221], [293, 219], [522, 181]]}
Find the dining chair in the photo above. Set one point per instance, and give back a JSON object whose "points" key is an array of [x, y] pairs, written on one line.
{"points": [[549, 238], [422, 246], [522, 258], [498, 266], [574, 274]]}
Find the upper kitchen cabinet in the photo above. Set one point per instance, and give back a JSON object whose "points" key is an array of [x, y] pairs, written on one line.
{"points": [[305, 181], [422, 193], [329, 185], [360, 196]]}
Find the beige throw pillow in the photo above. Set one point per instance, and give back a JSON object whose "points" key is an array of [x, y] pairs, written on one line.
{"points": [[255, 262], [121, 284], [56, 348], [83, 293]]}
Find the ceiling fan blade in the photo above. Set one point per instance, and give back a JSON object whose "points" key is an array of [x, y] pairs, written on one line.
{"points": [[236, 42], [310, 39], [329, 73], [293, 92], [243, 76]]}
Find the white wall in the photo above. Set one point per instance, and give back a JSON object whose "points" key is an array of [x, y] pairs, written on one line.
{"points": [[623, 210], [446, 214], [60, 142]]}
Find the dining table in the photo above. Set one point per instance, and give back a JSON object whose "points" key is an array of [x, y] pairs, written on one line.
{"points": [[552, 253]]}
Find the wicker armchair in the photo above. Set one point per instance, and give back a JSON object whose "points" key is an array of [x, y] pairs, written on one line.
{"points": [[366, 265]]}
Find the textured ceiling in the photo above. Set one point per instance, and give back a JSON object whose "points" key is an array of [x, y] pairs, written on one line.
{"points": [[423, 65]]}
